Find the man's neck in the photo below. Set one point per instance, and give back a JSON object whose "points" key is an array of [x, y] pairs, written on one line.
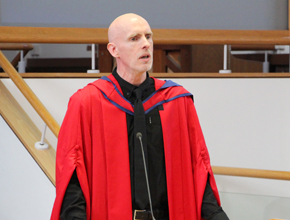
{"points": [[135, 79]]}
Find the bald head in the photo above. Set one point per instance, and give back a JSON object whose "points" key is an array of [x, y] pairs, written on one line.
{"points": [[121, 24], [131, 43]]}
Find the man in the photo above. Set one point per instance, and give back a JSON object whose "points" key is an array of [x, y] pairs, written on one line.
{"points": [[101, 168]]}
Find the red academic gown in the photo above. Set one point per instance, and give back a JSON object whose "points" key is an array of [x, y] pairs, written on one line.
{"points": [[93, 140]]}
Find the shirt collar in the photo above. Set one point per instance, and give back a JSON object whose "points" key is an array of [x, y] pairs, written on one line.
{"points": [[128, 88]]}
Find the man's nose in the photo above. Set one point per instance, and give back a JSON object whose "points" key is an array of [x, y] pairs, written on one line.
{"points": [[145, 42]]}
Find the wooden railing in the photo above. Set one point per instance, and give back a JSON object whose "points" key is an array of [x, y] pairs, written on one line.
{"points": [[29, 95], [255, 173], [161, 36]]}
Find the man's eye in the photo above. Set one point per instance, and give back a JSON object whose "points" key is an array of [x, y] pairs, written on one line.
{"points": [[134, 38], [148, 36]]}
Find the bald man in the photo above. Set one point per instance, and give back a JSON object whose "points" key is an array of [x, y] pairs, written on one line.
{"points": [[130, 146]]}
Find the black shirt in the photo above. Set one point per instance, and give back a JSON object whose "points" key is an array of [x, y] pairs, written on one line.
{"points": [[156, 160], [74, 204]]}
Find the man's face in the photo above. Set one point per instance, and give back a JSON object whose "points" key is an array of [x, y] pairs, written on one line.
{"points": [[135, 47]]}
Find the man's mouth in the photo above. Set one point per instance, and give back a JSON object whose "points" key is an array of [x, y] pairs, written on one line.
{"points": [[145, 57]]}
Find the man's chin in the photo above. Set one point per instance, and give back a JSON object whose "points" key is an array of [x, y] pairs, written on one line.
{"points": [[148, 67], [144, 67]]}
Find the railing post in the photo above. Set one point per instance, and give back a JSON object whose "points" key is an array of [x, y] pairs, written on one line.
{"points": [[289, 52], [41, 145], [266, 64], [21, 63], [93, 70], [225, 70]]}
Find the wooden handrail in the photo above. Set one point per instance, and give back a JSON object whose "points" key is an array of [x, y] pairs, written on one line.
{"points": [[29, 95], [160, 36], [156, 75], [15, 46], [53, 35], [256, 173], [231, 37]]}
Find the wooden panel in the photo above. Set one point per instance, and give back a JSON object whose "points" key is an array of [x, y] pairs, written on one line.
{"points": [[58, 64], [26, 131], [207, 58], [279, 59], [172, 58], [278, 62], [105, 60], [155, 74], [185, 59], [244, 66], [253, 47], [161, 36], [159, 62]]}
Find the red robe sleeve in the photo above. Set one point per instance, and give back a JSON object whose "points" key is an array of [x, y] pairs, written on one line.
{"points": [[187, 159], [201, 161], [70, 155]]}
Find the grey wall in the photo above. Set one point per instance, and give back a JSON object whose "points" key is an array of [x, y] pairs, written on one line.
{"points": [[194, 14]]}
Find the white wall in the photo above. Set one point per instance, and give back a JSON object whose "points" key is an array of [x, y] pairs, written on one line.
{"points": [[26, 192], [246, 123]]}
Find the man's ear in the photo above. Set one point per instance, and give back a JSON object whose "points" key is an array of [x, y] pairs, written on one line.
{"points": [[113, 50]]}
